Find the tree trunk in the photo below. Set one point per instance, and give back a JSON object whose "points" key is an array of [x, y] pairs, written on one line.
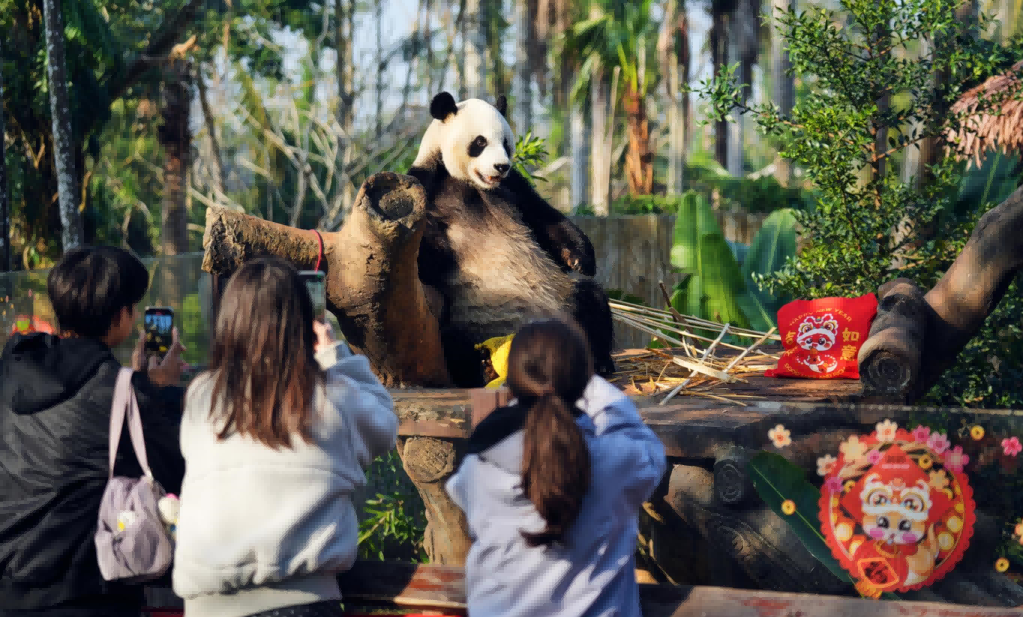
{"points": [[932, 149], [600, 145], [524, 72], [5, 204], [345, 16], [176, 140], [674, 53], [908, 352], [784, 83], [475, 45], [378, 17], [718, 38], [639, 167], [579, 149], [217, 161], [72, 232], [373, 284]]}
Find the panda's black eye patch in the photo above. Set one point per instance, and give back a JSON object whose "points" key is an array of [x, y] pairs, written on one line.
{"points": [[507, 147], [477, 146]]}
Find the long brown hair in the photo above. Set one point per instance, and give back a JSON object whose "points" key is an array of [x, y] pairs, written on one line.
{"points": [[263, 354], [549, 365]]}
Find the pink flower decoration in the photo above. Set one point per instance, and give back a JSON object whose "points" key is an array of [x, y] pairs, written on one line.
{"points": [[921, 433], [874, 457], [956, 460], [1011, 446], [833, 485], [938, 442]]}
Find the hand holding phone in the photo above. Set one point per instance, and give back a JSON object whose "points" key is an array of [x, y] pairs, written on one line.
{"points": [[315, 284], [158, 326]]}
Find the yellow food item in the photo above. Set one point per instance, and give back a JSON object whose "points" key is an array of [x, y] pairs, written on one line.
{"points": [[498, 347]]}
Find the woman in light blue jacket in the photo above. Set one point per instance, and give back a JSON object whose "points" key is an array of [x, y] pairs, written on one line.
{"points": [[552, 484]]}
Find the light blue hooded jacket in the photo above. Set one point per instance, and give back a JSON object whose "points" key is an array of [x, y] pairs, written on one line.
{"points": [[594, 573]]}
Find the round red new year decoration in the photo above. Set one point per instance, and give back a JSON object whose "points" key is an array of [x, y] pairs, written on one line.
{"points": [[896, 508]]}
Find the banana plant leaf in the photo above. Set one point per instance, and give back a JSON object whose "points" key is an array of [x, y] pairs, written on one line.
{"points": [[773, 245], [777, 480], [713, 289]]}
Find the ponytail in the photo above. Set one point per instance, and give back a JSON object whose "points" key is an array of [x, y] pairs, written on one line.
{"points": [[555, 467]]}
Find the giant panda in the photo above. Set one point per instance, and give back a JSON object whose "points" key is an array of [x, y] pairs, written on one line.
{"points": [[494, 251]]}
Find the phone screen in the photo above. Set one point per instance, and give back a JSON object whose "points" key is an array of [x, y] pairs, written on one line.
{"points": [[315, 283], [157, 324]]}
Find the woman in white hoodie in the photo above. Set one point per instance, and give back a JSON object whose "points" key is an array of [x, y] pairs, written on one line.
{"points": [[552, 484], [276, 436]]}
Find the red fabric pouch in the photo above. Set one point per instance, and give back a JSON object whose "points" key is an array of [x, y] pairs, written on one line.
{"points": [[823, 337]]}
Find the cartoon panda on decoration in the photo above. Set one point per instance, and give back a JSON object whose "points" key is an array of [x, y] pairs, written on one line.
{"points": [[496, 253]]}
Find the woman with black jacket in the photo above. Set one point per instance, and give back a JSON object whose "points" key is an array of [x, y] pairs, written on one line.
{"points": [[55, 398]]}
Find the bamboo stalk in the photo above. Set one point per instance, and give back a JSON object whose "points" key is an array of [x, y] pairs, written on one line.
{"points": [[688, 319], [710, 347]]}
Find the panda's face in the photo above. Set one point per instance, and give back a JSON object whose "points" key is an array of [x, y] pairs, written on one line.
{"points": [[476, 143]]}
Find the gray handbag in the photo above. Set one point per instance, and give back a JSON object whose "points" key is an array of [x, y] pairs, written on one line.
{"points": [[132, 544]]}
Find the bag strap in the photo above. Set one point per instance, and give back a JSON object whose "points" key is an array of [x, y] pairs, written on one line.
{"points": [[126, 403]]}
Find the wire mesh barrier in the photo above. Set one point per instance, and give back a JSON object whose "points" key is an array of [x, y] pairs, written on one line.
{"points": [[177, 282]]}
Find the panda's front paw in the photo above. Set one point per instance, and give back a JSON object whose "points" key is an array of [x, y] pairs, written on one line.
{"points": [[577, 262]]}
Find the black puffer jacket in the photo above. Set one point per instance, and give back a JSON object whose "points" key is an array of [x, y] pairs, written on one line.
{"points": [[55, 397]]}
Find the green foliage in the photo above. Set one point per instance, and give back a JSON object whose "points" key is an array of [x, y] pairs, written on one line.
{"points": [[394, 521], [777, 480], [705, 176], [530, 153], [717, 287], [714, 285], [773, 245], [852, 244], [831, 133], [622, 35]]}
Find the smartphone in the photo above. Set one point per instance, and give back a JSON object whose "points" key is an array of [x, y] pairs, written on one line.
{"points": [[157, 323], [315, 283]]}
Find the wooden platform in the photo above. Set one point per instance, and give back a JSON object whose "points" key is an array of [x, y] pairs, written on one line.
{"points": [[441, 589], [695, 425]]}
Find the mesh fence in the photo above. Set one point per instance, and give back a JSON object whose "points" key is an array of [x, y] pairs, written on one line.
{"points": [[177, 282]]}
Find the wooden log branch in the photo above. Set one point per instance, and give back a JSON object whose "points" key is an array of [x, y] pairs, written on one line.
{"points": [[429, 463], [762, 544], [372, 276], [890, 358], [952, 313], [732, 485]]}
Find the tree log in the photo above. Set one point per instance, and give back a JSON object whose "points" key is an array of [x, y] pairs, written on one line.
{"points": [[372, 276], [890, 358], [732, 485], [429, 463], [955, 308]]}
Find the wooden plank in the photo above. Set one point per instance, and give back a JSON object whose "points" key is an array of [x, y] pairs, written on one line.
{"points": [[694, 427], [442, 587]]}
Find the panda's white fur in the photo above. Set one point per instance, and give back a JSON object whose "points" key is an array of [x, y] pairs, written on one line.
{"points": [[498, 258], [475, 118]]}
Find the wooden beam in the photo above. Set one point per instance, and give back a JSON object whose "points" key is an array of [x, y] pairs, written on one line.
{"points": [[694, 428], [441, 588]]}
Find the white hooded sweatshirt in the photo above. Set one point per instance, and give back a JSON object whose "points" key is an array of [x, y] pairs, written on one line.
{"points": [[259, 528]]}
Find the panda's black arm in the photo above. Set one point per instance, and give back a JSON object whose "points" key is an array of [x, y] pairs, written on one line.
{"points": [[429, 175], [554, 232]]}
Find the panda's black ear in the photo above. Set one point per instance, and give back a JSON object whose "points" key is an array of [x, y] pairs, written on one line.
{"points": [[502, 105], [442, 106]]}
